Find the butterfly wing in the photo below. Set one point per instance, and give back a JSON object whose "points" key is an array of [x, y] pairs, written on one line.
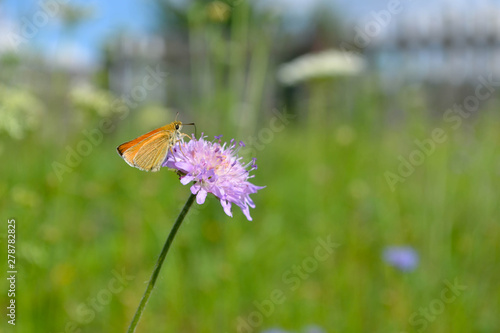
{"points": [[127, 145], [146, 154], [148, 151], [153, 151]]}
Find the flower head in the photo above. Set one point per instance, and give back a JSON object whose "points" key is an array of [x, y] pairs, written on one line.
{"points": [[404, 258], [215, 169], [329, 63]]}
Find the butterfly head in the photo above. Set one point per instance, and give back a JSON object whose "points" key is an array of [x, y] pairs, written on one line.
{"points": [[177, 125]]}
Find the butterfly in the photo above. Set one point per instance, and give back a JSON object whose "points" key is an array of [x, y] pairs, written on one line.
{"points": [[148, 152]]}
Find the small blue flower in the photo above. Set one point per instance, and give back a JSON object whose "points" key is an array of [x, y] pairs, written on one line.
{"points": [[308, 329], [313, 329], [404, 258]]}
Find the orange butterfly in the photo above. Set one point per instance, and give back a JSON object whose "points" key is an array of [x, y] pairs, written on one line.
{"points": [[149, 151]]}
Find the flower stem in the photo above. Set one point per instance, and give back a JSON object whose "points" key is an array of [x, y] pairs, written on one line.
{"points": [[159, 263]]}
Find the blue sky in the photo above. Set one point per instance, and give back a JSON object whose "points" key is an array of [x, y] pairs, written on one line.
{"points": [[108, 17]]}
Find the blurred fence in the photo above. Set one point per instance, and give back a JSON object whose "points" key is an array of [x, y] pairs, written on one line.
{"points": [[445, 44]]}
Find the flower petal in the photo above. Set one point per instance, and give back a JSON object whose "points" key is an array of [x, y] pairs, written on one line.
{"points": [[186, 179], [246, 211], [226, 205], [195, 188], [201, 196], [183, 166]]}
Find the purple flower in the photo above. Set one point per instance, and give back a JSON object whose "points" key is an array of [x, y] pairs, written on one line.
{"points": [[214, 169], [405, 258]]}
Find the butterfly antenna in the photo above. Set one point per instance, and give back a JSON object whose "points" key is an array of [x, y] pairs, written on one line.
{"points": [[193, 124]]}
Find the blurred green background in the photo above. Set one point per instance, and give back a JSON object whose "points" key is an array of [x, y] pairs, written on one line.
{"points": [[347, 153]]}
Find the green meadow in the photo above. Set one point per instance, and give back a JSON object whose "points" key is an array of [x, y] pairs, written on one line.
{"points": [[349, 171]]}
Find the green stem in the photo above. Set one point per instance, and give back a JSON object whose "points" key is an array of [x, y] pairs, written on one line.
{"points": [[159, 263]]}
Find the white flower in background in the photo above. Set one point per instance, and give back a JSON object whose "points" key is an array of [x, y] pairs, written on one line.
{"points": [[20, 111], [87, 98], [320, 65]]}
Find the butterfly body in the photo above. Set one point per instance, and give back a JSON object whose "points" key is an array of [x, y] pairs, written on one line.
{"points": [[149, 151]]}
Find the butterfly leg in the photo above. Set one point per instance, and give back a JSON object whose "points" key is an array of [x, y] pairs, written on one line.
{"points": [[184, 134], [180, 147]]}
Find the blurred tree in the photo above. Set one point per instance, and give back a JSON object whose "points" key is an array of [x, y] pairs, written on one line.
{"points": [[218, 52], [73, 15]]}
